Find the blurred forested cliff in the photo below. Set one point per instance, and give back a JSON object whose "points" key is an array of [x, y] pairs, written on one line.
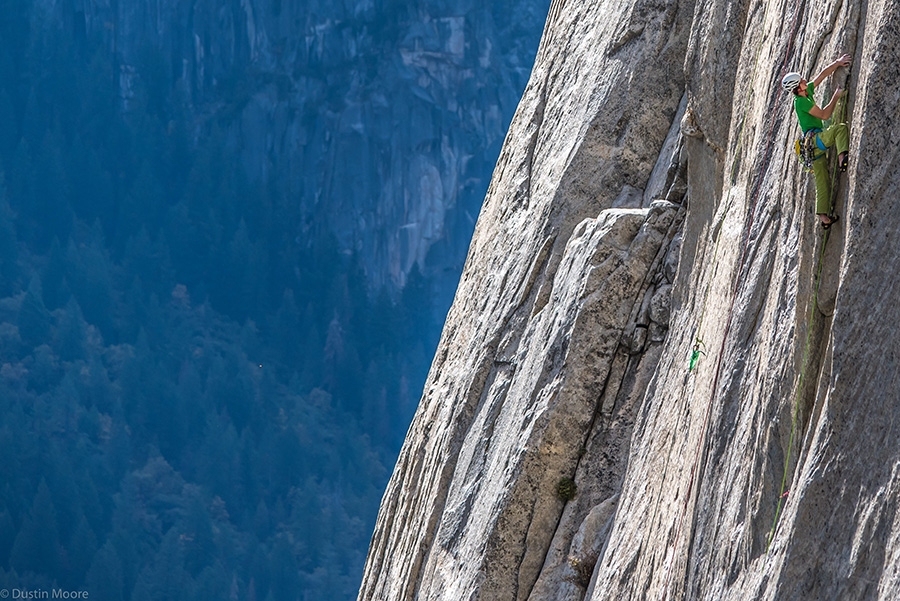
{"points": [[229, 233]]}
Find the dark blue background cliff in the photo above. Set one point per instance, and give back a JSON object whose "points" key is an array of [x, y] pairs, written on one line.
{"points": [[228, 237]]}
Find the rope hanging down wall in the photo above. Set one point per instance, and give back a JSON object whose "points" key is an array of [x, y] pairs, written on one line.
{"points": [[791, 32], [804, 358]]}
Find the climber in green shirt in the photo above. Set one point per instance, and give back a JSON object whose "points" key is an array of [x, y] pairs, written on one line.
{"points": [[812, 118]]}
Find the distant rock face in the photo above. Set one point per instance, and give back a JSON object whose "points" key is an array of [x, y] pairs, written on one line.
{"points": [[382, 119], [769, 470]]}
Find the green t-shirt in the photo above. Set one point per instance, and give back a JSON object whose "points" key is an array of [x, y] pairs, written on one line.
{"points": [[802, 104]]}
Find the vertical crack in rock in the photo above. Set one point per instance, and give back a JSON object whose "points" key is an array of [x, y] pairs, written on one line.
{"points": [[636, 259], [531, 144], [828, 29], [580, 532]]}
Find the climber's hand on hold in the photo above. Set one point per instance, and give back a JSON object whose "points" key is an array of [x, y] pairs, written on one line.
{"points": [[841, 61]]}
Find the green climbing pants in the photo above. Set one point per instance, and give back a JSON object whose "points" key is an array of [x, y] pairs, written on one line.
{"points": [[836, 135]]}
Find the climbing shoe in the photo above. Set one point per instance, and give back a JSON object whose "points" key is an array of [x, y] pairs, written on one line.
{"points": [[843, 160], [832, 219]]}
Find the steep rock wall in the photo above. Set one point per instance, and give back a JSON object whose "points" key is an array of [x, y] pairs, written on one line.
{"points": [[539, 320], [789, 357], [790, 410]]}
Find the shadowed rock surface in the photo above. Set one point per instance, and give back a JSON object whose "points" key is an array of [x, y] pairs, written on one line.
{"points": [[566, 352]]}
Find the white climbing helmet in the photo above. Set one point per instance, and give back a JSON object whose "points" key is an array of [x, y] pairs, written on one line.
{"points": [[790, 81]]}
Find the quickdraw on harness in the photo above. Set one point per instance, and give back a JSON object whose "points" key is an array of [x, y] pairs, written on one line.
{"points": [[809, 148]]}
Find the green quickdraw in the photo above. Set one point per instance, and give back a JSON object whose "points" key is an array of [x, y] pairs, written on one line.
{"points": [[695, 353]]}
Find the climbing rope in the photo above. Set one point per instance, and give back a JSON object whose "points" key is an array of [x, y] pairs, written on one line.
{"points": [[735, 288], [737, 151], [804, 358]]}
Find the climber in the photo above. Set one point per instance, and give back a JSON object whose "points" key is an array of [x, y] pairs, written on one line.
{"points": [[811, 118]]}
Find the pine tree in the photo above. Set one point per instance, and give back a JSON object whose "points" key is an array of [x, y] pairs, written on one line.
{"points": [[9, 248], [37, 548], [90, 185], [142, 208], [71, 332], [104, 578], [53, 278], [80, 551], [34, 320], [49, 208], [285, 328], [198, 536], [89, 273]]}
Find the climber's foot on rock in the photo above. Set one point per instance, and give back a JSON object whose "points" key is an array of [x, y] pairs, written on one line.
{"points": [[827, 220]]}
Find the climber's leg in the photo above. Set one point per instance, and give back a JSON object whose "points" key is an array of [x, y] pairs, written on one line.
{"points": [[823, 187], [838, 136]]}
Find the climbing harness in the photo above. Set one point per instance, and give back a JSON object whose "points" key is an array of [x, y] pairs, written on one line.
{"points": [[809, 149]]}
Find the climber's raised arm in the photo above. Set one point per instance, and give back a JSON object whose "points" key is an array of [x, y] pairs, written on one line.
{"points": [[826, 112]]}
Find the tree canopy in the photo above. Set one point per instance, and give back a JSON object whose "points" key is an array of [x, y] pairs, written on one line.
{"points": [[197, 403]]}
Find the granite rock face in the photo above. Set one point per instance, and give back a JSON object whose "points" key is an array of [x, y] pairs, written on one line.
{"points": [[381, 118], [550, 332], [639, 215]]}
